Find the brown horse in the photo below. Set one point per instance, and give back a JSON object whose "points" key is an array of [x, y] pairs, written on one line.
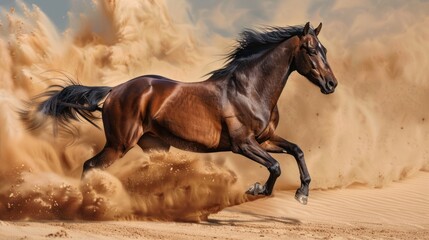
{"points": [[234, 110]]}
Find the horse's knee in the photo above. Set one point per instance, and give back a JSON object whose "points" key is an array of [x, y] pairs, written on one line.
{"points": [[275, 169], [297, 151]]}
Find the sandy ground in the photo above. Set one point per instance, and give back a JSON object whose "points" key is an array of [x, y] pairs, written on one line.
{"points": [[397, 211]]}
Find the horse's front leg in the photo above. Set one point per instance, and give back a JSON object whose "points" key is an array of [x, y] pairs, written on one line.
{"points": [[251, 149], [277, 144]]}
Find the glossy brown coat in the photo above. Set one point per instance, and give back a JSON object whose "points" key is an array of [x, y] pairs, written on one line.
{"points": [[234, 110]]}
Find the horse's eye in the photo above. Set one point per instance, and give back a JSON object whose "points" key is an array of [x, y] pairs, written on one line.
{"points": [[312, 52]]}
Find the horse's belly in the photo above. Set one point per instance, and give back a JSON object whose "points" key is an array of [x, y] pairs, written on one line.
{"points": [[200, 143], [196, 147]]}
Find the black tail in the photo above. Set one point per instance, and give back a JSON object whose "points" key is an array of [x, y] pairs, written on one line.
{"points": [[68, 103]]}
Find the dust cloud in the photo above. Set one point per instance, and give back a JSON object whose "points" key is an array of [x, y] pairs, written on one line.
{"points": [[111, 42], [372, 131]]}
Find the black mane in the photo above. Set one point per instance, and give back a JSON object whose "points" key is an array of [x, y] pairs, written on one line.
{"points": [[253, 43]]}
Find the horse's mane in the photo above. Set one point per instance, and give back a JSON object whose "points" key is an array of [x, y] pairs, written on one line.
{"points": [[251, 44]]}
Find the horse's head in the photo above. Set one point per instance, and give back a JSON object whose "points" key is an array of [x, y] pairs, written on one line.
{"points": [[311, 61]]}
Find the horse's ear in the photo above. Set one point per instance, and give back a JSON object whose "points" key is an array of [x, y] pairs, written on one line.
{"points": [[306, 29], [317, 30]]}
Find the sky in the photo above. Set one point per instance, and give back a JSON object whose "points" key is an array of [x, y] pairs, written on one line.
{"points": [[227, 17]]}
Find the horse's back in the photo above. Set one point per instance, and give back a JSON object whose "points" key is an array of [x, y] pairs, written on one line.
{"points": [[132, 94], [142, 83]]}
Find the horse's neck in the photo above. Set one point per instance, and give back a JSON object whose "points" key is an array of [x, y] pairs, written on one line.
{"points": [[268, 76]]}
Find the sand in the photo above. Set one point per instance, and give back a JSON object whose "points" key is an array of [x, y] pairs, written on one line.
{"points": [[397, 211]]}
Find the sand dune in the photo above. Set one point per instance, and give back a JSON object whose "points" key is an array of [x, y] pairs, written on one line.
{"points": [[404, 204]]}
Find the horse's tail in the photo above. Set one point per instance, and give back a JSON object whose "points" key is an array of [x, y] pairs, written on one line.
{"points": [[67, 103]]}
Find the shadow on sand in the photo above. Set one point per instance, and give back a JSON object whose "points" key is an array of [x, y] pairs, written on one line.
{"points": [[256, 218]]}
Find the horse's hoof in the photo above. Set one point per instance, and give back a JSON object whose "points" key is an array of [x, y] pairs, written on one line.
{"points": [[256, 189], [301, 198]]}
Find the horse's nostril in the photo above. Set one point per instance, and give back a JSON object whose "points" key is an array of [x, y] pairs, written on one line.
{"points": [[331, 84]]}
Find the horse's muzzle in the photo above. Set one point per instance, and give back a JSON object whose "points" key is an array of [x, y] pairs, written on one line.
{"points": [[329, 86]]}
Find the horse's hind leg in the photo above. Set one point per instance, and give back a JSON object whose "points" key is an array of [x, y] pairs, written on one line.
{"points": [[123, 129], [103, 159], [110, 153], [149, 142], [278, 145], [113, 150]]}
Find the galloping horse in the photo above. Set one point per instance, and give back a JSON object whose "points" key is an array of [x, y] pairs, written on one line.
{"points": [[235, 109]]}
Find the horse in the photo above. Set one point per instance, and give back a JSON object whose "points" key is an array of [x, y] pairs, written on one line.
{"points": [[234, 109]]}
